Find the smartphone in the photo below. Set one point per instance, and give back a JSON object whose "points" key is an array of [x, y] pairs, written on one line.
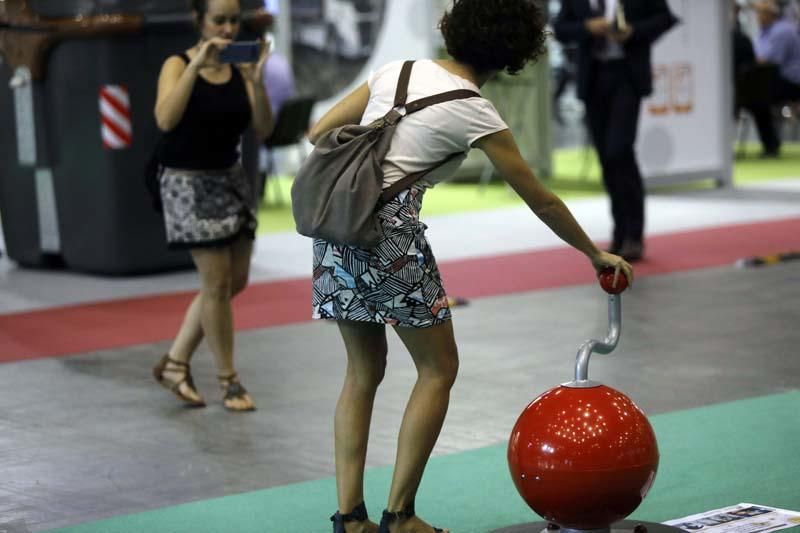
{"points": [[240, 52]]}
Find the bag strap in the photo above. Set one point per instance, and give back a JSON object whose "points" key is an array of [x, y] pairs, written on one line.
{"points": [[400, 96], [406, 181], [422, 103], [401, 93]]}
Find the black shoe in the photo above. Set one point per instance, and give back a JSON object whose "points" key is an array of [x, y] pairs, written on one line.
{"points": [[390, 517], [632, 251], [358, 514]]}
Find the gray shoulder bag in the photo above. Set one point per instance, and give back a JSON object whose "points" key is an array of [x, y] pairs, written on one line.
{"points": [[339, 186]]}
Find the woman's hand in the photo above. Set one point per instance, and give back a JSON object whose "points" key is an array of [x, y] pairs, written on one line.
{"points": [[208, 53], [255, 72], [602, 260]]}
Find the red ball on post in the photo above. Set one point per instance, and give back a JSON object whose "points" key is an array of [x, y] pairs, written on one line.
{"points": [[583, 458], [606, 278]]}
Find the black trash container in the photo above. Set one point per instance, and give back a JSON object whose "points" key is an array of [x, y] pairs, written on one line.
{"points": [[77, 93]]}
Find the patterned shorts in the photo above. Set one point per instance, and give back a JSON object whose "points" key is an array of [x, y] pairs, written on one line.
{"points": [[207, 207], [397, 282]]}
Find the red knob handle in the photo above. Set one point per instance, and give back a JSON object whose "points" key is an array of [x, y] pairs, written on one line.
{"points": [[606, 278]]}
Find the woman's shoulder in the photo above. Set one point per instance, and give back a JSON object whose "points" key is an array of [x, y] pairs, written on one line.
{"points": [[393, 67], [427, 74], [177, 59], [386, 68], [173, 66], [184, 56]]}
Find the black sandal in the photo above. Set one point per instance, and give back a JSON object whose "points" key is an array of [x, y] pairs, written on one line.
{"points": [[233, 390], [358, 514], [175, 386], [390, 517]]}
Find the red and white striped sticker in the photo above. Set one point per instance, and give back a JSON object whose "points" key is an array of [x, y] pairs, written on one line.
{"points": [[115, 112]]}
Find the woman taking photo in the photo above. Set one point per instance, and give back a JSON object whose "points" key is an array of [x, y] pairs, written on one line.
{"points": [[203, 107]]}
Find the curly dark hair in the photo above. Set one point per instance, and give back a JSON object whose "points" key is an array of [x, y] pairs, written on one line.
{"points": [[494, 35]]}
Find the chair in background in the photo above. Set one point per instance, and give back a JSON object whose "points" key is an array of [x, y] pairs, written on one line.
{"points": [[291, 125]]}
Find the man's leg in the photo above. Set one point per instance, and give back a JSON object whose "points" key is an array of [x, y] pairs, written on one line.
{"points": [[624, 106], [597, 120]]}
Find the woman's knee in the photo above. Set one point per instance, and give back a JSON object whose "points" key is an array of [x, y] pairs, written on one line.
{"points": [[442, 369], [217, 288], [240, 283], [446, 371], [241, 255], [366, 352], [434, 352], [368, 372]]}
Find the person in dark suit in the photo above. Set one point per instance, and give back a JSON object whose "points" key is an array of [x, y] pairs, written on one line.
{"points": [[774, 79], [744, 54], [614, 39]]}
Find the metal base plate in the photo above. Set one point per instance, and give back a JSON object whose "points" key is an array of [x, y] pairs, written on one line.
{"points": [[623, 526]]}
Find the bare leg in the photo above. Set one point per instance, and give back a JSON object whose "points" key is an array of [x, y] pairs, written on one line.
{"points": [[366, 363], [224, 273], [436, 358], [183, 347], [216, 267], [216, 318], [190, 333], [241, 252]]}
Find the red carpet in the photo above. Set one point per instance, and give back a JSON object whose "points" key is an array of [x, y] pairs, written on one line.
{"points": [[108, 325]]}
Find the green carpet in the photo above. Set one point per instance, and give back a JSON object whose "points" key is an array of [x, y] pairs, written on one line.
{"points": [[576, 175], [711, 457]]}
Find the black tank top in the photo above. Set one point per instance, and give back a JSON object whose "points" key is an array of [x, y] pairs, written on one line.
{"points": [[208, 134]]}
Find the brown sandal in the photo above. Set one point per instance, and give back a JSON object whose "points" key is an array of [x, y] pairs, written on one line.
{"points": [[175, 386], [234, 391]]}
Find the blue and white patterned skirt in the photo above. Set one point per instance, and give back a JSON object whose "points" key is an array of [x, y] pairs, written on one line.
{"points": [[397, 282]]}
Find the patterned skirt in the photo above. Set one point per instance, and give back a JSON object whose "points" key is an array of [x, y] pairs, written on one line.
{"points": [[397, 282], [205, 208]]}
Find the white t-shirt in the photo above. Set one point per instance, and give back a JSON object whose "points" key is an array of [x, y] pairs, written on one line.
{"points": [[430, 135]]}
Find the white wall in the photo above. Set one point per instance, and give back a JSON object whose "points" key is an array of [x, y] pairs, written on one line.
{"points": [[685, 127]]}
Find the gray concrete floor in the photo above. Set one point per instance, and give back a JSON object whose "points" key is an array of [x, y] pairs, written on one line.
{"points": [[92, 436]]}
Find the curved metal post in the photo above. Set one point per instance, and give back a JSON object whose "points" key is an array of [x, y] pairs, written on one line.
{"points": [[605, 346]]}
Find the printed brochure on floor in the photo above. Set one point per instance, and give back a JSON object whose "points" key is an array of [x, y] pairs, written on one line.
{"points": [[742, 518]]}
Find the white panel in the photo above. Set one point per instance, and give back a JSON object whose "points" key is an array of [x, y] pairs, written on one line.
{"points": [[684, 132]]}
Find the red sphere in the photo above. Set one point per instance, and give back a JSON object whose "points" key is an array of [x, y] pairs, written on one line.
{"points": [[583, 458], [606, 277]]}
